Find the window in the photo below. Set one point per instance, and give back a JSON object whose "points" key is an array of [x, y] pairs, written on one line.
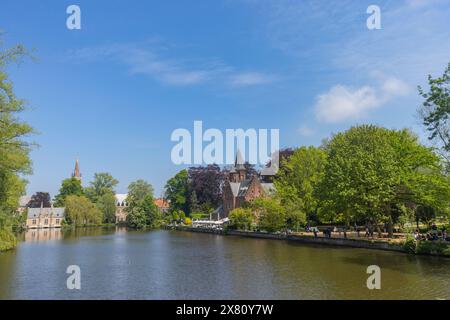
{"points": [[46, 221], [57, 221], [34, 221]]}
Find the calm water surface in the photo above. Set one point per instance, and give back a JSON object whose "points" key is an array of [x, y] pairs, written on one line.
{"points": [[120, 264]]}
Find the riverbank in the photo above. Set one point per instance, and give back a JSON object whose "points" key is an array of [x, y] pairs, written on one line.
{"points": [[423, 248], [7, 240]]}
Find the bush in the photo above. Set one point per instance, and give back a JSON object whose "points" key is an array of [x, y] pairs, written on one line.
{"points": [[433, 247], [410, 245], [241, 219], [7, 240]]}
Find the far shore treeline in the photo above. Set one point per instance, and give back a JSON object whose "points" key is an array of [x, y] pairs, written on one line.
{"points": [[366, 174]]}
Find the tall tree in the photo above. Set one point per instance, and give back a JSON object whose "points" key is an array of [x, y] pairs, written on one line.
{"points": [[138, 191], [102, 184], [371, 172], [70, 186], [206, 183], [14, 149], [107, 205], [39, 199], [81, 212], [435, 110], [297, 183], [177, 192], [142, 210]]}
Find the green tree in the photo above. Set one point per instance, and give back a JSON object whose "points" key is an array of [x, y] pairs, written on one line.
{"points": [[142, 210], [138, 191], [295, 217], [102, 184], [297, 184], [361, 173], [372, 172], [270, 213], [137, 218], [435, 110], [80, 211], [14, 149], [242, 218], [177, 192], [70, 186], [107, 205]]}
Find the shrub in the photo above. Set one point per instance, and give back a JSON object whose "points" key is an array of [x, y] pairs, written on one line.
{"points": [[7, 240], [241, 219], [433, 247], [409, 245]]}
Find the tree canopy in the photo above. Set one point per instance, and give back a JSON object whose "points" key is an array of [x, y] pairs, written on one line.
{"points": [[102, 184], [14, 145], [70, 186], [435, 110], [38, 199], [177, 192], [142, 210]]}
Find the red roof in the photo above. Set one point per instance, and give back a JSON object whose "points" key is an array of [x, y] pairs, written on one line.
{"points": [[161, 203]]}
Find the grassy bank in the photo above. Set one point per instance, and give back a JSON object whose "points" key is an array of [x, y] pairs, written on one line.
{"points": [[7, 240]]}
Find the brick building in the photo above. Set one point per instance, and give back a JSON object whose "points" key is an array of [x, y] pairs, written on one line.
{"points": [[239, 188]]}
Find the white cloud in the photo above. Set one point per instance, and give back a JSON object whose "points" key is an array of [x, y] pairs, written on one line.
{"points": [[141, 59], [395, 87], [342, 103], [249, 78]]}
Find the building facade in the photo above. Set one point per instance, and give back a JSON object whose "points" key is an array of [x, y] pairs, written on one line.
{"points": [[238, 188], [43, 218], [121, 204]]}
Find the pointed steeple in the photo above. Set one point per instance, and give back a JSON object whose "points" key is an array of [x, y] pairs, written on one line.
{"points": [[238, 171], [239, 162], [76, 173]]}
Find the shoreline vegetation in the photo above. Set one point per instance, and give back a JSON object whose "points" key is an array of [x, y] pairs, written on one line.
{"points": [[436, 248]]}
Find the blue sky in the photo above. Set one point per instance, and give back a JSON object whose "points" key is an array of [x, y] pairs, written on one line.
{"points": [[111, 93]]}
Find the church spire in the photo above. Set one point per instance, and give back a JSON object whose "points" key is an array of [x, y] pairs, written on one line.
{"points": [[76, 173], [238, 171], [239, 162]]}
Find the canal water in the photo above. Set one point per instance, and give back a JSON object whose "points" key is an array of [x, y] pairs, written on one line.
{"points": [[121, 264]]}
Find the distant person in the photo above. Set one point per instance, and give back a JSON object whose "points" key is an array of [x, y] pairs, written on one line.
{"points": [[315, 231], [444, 233], [416, 234], [357, 229]]}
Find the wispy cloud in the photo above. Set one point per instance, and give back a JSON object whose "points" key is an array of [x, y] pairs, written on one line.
{"points": [[250, 79], [333, 35], [305, 131], [148, 60], [342, 103]]}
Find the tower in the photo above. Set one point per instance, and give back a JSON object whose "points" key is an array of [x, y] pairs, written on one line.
{"points": [[238, 172], [76, 173]]}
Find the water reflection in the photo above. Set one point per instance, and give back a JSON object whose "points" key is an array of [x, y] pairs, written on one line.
{"points": [[43, 235], [40, 235], [122, 264]]}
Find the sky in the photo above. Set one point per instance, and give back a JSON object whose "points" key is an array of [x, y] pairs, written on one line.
{"points": [[112, 93]]}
